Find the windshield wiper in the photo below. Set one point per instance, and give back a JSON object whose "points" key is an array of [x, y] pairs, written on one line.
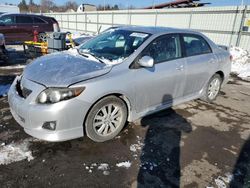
{"points": [[87, 54]]}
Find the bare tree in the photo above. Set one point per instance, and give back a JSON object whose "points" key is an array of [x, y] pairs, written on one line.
{"points": [[47, 5], [23, 6], [71, 5]]}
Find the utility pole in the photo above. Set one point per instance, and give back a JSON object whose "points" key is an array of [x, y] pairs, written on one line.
{"points": [[242, 2]]}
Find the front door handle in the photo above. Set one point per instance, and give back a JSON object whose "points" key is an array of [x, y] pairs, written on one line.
{"points": [[180, 68], [13, 26]]}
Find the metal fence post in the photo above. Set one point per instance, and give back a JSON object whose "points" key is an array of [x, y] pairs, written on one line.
{"points": [[190, 19], [241, 26], [97, 15], [68, 20], [112, 21], [234, 22], [86, 22], [61, 21], [156, 17], [76, 22]]}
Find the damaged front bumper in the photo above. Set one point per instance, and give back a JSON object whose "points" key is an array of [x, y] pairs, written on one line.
{"points": [[69, 115]]}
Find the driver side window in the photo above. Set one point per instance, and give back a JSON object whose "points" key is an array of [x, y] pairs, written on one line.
{"points": [[164, 48]]}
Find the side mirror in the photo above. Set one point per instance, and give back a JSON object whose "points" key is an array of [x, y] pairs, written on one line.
{"points": [[2, 24], [146, 61]]}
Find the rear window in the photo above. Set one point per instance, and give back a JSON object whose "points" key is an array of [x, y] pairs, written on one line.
{"points": [[24, 20], [196, 45], [8, 19], [38, 20]]}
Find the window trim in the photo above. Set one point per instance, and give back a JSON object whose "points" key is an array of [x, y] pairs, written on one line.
{"points": [[134, 64], [33, 18], [14, 19], [195, 36]]}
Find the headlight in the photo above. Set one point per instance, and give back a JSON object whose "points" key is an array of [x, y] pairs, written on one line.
{"points": [[54, 95]]}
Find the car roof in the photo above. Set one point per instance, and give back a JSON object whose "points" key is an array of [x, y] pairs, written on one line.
{"points": [[156, 30], [23, 14]]}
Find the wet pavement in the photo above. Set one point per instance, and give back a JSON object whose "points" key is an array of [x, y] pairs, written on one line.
{"points": [[191, 145]]}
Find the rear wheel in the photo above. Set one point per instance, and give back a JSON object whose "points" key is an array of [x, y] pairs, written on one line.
{"points": [[42, 37], [212, 89], [106, 119]]}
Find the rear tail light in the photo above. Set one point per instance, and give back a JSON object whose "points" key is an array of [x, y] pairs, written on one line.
{"points": [[56, 27]]}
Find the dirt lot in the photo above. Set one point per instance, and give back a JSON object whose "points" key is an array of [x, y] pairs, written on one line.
{"points": [[191, 145]]}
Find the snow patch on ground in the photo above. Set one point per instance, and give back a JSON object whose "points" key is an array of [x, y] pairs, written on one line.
{"points": [[222, 182], [4, 89], [104, 167], [125, 164], [13, 67], [240, 63], [136, 147], [15, 152]]}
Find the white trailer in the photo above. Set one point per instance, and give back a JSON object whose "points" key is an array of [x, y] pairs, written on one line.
{"points": [[9, 9]]}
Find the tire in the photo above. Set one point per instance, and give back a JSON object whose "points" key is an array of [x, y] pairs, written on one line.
{"points": [[106, 119], [211, 93], [42, 37]]}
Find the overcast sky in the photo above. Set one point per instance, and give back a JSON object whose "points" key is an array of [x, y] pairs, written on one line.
{"points": [[136, 3]]}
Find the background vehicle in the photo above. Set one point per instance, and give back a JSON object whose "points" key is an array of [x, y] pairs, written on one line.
{"points": [[118, 76], [3, 55], [21, 27]]}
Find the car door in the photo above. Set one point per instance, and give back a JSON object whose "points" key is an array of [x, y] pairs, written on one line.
{"points": [[162, 83], [8, 27], [200, 63], [24, 27], [39, 24]]}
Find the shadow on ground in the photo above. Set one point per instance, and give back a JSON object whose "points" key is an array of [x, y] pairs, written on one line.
{"points": [[160, 157], [241, 172]]}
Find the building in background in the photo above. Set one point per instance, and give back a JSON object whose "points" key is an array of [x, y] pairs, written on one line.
{"points": [[86, 8], [178, 4]]}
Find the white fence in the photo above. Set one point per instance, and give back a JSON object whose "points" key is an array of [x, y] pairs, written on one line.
{"points": [[224, 25]]}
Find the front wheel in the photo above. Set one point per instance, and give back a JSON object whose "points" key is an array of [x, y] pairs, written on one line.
{"points": [[212, 89], [106, 119]]}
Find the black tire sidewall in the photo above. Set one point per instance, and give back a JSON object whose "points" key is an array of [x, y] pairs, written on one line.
{"points": [[91, 133]]}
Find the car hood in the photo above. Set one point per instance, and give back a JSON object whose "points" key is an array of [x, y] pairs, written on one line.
{"points": [[63, 69]]}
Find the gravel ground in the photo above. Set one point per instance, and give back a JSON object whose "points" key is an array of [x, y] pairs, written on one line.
{"points": [[190, 145]]}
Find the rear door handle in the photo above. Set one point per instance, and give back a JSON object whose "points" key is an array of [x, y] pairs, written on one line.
{"points": [[35, 26], [13, 26], [211, 60]]}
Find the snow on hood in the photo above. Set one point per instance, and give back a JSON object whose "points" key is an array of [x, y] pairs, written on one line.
{"points": [[64, 68], [241, 63]]}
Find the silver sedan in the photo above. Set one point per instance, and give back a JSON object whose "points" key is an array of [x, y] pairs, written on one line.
{"points": [[119, 76]]}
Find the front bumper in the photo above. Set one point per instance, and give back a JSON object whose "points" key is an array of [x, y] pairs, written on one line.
{"points": [[69, 115]]}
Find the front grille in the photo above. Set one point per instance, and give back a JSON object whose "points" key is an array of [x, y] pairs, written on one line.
{"points": [[22, 91]]}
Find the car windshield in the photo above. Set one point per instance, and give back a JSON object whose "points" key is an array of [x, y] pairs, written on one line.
{"points": [[113, 46]]}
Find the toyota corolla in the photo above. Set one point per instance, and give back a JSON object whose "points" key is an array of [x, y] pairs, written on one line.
{"points": [[117, 77]]}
